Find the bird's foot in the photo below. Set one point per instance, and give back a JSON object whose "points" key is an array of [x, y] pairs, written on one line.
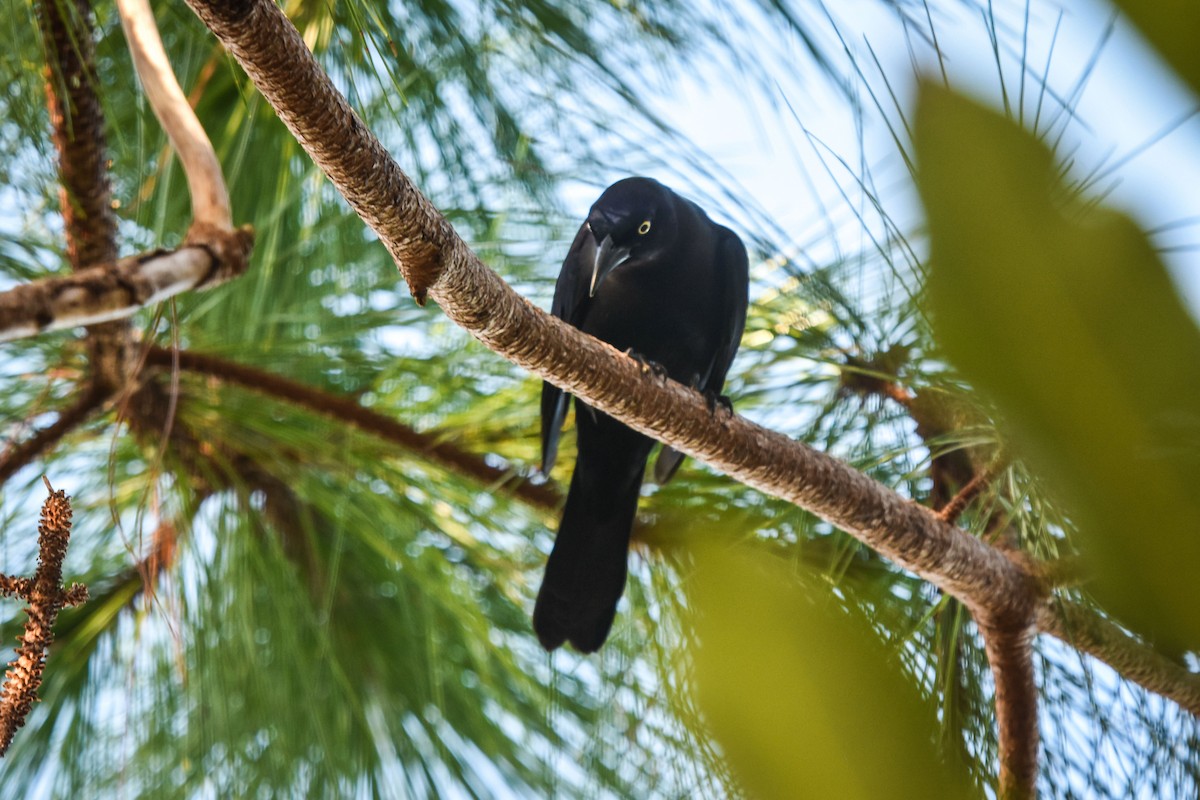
{"points": [[648, 367], [714, 399]]}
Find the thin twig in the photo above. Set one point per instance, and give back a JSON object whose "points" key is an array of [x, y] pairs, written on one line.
{"points": [[345, 409], [958, 504], [16, 457]]}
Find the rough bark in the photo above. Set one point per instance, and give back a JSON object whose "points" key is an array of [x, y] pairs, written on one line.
{"points": [[1001, 593], [117, 289], [411, 229], [1075, 625], [435, 261], [1132, 659], [1008, 644], [86, 195], [106, 290], [1010, 654]]}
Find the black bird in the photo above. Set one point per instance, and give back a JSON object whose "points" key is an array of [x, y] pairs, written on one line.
{"points": [[650, 274]]}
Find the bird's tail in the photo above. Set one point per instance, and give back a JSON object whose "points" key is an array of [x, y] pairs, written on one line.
{"points": [[585, 575]]}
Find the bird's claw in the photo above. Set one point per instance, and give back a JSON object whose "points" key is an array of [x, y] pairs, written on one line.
{"points": [[648, 367], [714, 399]]}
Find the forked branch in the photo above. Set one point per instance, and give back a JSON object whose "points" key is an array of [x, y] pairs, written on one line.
{"points": [[437, 262], [116, 290], [1001, 593], [103, 288]]}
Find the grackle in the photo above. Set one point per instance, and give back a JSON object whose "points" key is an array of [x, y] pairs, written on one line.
{"points": [[650, 274]]}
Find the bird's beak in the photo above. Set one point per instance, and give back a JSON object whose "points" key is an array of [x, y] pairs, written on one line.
{"points": [[609, 256]]}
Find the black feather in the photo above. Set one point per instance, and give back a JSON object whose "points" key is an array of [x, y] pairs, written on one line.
{"points": [[648, 272]]}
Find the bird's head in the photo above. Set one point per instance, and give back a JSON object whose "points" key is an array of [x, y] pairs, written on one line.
{"points": [[633, 219]]}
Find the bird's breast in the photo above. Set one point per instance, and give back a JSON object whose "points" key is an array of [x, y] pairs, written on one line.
{"points": [[671, 321]]}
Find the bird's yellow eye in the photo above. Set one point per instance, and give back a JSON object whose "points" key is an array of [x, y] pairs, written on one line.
{"points": [[644, 228]]}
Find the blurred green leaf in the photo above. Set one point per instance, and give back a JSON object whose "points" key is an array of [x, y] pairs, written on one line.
{"points": [[803, 697], [1064, 313], [1171, 26], [393, 599]]}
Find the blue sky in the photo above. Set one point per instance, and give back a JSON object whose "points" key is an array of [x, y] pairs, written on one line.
{"points": [[759, 136], [1124, 107]]}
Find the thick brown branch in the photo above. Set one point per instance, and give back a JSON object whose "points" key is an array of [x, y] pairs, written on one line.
{"points": [[1008, 646], [17, 456], [435, 260], [1001, 594], [46, 597], [412, 230], [118, 289], [79, 136], [1010, 655], [86, 195], [1088, 632], [347, 410], [1078, 626]]}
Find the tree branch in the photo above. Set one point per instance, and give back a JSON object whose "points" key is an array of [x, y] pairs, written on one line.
{"points": [[116, 290], [1010, 655], [17, 456], [86, 195], [15, 587], [1009, 646], [78, 123], [1085, 630], [935, 417], [1001, 593], [206, 184], [1078, 626], [429, 446], [958, 504], [435, 261]]}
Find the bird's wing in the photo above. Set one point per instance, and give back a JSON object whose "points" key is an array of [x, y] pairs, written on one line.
{"points": [[569, 304], [733, 268], [733, 272]]}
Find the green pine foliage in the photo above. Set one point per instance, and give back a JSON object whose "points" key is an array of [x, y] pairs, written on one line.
{"points": [[333, 615]]}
